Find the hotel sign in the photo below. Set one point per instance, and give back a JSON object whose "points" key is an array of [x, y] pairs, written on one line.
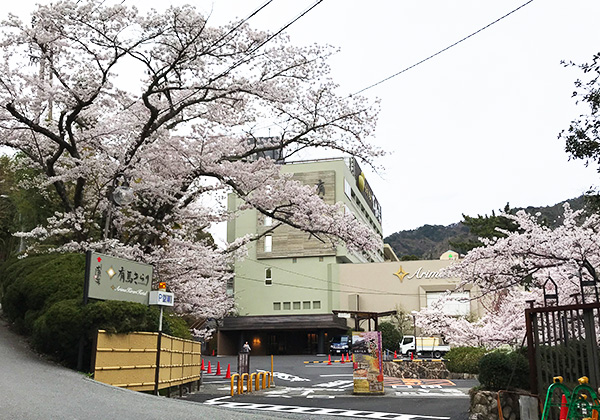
{"points": [[365, 188], [421, 273], [111, 278]]}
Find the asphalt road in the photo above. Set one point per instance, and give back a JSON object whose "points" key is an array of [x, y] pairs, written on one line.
{"points": [[302, 386], [33, 388]]}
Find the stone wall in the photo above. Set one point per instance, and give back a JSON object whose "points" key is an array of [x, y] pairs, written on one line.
{"points": [[416, 369], [484, 405]]}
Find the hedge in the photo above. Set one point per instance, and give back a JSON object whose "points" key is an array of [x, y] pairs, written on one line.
{"points": [[464, 359], [43, 297], [502, 370]]}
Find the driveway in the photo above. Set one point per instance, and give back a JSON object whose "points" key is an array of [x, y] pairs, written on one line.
{"points": [[32, 388]]}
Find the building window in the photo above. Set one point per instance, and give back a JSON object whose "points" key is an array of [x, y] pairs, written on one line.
{"points": [[230, 286], [459, 305], [320, 259], [294, 260], [268, 243], [316, 304], [306, 304], [277, 306], [268, 277], [347, 189], [287, 306], [296, 305], [268, 221]]}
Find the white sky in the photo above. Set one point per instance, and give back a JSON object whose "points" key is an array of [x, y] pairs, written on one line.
{"points": [[467, 131]]}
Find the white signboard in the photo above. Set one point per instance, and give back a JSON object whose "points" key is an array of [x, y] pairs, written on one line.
{"points": [[112, 278], [159, 297]]}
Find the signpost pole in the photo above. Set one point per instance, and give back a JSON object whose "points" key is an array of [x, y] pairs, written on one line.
{"points": [[162, 298], [158, 344]]}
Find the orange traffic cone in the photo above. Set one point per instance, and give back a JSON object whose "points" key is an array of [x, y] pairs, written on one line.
{"points": [[329, 362], [209, 370], [202, 365], [342, 361], [564, 409], [228, 373], [218, 368]]}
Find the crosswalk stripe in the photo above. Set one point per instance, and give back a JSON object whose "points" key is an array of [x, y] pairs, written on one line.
{"points": [[319, 411]]}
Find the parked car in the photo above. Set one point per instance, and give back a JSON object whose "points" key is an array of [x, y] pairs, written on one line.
{"points": [[340, 344]]}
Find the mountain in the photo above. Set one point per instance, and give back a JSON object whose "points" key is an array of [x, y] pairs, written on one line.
{"points": [[431, 241]]}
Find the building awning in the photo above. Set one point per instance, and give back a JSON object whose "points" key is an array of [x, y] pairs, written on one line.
{"points": [[284, 322], [362, 315]]}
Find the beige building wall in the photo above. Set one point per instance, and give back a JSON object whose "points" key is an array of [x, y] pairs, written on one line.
{"points": [[401, 285]]}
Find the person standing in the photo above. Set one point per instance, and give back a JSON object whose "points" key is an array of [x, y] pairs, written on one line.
{"points": [[246, 348]]}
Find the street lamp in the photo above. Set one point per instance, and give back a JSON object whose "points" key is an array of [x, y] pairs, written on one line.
{"points": [[120, 195], [414, 315]]}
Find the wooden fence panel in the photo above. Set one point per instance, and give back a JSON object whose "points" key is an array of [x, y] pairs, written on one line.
{"points": [[129, 360]]}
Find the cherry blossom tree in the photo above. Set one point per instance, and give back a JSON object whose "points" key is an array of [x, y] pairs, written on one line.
{"points": [[94, 96], [508, 271]]}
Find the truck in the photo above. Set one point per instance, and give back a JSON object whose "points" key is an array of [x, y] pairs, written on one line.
{"points": [[423, 346]]}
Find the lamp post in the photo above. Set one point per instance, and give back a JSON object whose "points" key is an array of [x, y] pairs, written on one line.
{"points": [[414, 315], [120, 195]]}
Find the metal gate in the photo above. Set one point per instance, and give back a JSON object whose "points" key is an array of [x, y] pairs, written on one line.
{"points": [[563, 341]]}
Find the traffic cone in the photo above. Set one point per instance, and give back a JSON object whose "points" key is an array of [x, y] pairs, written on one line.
{"points": [[218, 368], [412, 356], [329, 362], [213, 353], [564, 409], [228, 373], [209, 370], [395, 355], [202, 365], [342, 361]]}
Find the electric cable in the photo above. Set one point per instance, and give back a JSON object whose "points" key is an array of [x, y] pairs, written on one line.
{"points": [[441, 51]]}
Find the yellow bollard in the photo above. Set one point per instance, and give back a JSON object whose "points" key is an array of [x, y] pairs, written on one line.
{"points": [[264, 376], [232, 380], [251, 380], [241, 383], [271, 377]]}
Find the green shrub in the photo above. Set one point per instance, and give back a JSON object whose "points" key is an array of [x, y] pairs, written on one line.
{"points": [[390, 336], [464, 359], [42, 296], [34, 284], [57, 332], [501, 370]]}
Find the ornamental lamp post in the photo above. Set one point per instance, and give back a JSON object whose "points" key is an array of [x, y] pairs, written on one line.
{"points": [[414, 315], [120, 195]]}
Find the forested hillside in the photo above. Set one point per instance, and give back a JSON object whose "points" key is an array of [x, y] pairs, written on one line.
{"points": [[431, 241]]}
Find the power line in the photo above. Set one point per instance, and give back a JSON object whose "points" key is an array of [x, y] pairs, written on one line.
{"points": [[317, 278], [269, 38], [443, 50], [323, 289]]}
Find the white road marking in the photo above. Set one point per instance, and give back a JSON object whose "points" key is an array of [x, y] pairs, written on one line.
{"points": [[287, 377], [367, 414], [337, 374]]}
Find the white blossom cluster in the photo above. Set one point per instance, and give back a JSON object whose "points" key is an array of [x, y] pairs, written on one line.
{"points": [[510, 271], [183, 131]]}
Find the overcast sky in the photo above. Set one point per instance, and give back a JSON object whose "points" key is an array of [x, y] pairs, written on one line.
{"points": [[468, 130]]}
